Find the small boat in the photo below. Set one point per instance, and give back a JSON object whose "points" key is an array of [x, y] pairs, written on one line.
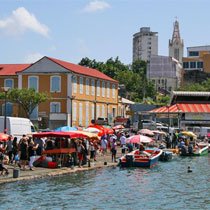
{"points": [[200, 150], [166, 156], [147, 158]]}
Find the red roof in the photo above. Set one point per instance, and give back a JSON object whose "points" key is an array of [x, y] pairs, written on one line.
{"points": [[82, 70], [11, 69], [176, 108]]}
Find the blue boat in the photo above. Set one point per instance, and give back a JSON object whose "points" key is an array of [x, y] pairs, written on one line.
{"points": [[148, 158]]}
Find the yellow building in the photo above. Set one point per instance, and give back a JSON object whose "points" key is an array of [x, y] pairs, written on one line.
{"points": [[78, 94], [198, 58], [9, 78]]}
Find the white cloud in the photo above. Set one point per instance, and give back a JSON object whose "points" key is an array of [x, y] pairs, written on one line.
{"points": [[20, 21], [33, 57], [96, 5]]}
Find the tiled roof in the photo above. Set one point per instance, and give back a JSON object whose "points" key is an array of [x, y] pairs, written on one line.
{"points": [[185, 108], [82, 70], [11, 69]]}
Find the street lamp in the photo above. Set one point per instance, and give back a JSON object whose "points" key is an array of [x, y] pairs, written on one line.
{"points": [[5, 90], [71, 98], [168, 116]]}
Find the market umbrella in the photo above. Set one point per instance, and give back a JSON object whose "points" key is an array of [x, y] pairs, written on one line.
{"points": [[159, 132], [88, 134], [189, 133], [117, 127], [4, 137], [66, 129], [146, 132], [137, 139]]}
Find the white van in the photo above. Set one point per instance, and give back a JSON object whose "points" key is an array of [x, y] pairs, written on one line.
{"points": [[17, 126]]}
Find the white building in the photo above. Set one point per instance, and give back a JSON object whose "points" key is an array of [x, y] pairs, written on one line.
{"points": [[165, 72], [145, 44]]}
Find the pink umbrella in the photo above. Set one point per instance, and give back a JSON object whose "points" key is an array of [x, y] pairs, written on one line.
{"points": [[146, 132], [137, 139], [118, 127], [208, 135]]}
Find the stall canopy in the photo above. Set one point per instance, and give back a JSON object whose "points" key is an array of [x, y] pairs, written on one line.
{"points": [[60, 134], [183, 107]]}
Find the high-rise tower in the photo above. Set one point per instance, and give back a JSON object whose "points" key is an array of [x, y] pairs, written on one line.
{"points": [[145, 44], [176, 44]]}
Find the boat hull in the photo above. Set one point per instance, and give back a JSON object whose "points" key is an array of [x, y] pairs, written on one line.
{"points": [[200, 152], [134, 159]]}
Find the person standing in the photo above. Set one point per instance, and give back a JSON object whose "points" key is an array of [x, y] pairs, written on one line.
{"points": [[123, 143], [15, 150], [80, 152], [23, 148], [41, 145], [32, 147], [114, 150], [9, 148], [104, 143]]}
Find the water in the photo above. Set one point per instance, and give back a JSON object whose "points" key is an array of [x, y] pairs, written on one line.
{"points": [[166, 186]]}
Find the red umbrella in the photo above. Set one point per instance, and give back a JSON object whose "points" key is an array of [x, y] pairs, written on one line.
{"points": [[3, 137], [137, 139]]}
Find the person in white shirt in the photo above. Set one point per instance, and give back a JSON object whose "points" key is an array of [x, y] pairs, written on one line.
{"points": [[123, 143]]}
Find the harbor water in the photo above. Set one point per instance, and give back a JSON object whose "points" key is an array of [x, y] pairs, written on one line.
{"points": [[166, 186]]}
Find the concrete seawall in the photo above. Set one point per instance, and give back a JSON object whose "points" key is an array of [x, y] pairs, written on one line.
{"points": [[47, 172]]}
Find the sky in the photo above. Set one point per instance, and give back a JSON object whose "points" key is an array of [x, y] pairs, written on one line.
{"points": [[98, 29]]}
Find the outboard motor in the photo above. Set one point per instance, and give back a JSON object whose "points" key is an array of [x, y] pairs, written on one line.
{"points": [[129, 160]]}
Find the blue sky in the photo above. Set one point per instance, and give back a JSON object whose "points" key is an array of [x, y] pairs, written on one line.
{"points": [[73, 29]]}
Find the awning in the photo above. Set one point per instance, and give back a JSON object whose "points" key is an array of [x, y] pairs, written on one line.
{"points": [[183, 108]]}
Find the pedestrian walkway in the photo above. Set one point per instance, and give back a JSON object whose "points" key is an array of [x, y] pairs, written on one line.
{"points": [[102, 161]]}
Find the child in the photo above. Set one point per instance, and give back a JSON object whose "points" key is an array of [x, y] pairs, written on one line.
{"points": [[3, 168]]}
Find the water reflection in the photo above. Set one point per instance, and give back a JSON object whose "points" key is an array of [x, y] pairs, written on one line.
{"points": [[167, 186]]}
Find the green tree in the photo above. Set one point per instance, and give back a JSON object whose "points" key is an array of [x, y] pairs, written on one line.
{"points": [[28, 99]]}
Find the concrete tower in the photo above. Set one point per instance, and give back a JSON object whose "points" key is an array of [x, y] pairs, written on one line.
{"points": [[145, 44], [176, 44]]}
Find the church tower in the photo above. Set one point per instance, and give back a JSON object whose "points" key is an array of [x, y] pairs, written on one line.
{"points": [[176, 44]]}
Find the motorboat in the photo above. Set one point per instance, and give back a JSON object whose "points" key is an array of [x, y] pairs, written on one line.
{"points": [[146, 158], [199, 150]]}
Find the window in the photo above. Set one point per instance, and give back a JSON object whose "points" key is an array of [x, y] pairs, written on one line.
{"points": [[34, 114], [192, 65], [92, 87], [98, 88], [9, 83], [98, 111], [80, 114], [74, 80], [93, 112], [103, 111], [193, 53], [74, 114], [9, 109], [81, 85], [55, 84], [33, 82], [199, 64], [108, 89], [87, 86], [87, 114], [176, 53], [185, 65], [55, 107], [113, 90], [103, 89]]}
